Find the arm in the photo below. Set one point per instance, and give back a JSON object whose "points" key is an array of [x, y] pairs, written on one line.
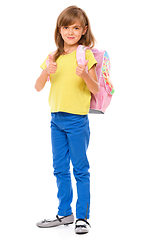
{"points": [[90, 78], [40, 82]]}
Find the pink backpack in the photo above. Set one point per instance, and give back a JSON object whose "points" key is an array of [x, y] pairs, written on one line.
{"points": [[102, 99]]}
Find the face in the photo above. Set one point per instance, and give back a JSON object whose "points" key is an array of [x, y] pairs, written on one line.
{"points": [[72, 34]]}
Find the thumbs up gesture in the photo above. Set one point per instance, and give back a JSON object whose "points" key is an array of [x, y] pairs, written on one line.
{"points": [[81, 70], [52, 67]]}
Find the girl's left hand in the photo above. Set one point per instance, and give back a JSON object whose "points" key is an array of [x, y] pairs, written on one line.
{"points": [[81, 70]]}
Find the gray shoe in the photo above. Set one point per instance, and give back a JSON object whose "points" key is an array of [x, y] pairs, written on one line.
{"points": [[82, 226], [56, 222]]}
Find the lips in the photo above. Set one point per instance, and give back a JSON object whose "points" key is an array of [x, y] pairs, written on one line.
{"points": [[70, 38]]}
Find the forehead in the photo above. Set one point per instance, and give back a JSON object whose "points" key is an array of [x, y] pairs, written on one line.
{"points": [[76, 23]]}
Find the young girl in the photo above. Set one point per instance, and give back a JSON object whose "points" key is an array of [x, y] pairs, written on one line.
{"points": [[69, 100]]}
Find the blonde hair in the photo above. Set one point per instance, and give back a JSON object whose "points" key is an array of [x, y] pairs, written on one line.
{"points": [[68, 17]]}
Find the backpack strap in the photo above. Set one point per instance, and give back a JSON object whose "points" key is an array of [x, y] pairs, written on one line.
{"points": [[47, 64], [80, 55]]}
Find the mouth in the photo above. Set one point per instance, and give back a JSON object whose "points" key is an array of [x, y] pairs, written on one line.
{"points": [[70, 38]]}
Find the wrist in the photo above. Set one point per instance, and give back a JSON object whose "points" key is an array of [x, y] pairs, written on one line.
{"points": [[85, 76], [47, 71]]}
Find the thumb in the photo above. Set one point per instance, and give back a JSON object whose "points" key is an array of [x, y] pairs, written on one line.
{"points": [[50, 58]]}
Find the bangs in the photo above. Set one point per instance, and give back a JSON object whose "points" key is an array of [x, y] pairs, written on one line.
{"points": [[69, 17]]}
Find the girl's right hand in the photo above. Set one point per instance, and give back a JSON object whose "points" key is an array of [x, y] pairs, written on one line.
{"points": [[52, 66]]}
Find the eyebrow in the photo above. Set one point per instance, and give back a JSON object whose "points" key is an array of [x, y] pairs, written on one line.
{"points": [[77, 26], [73, 26]]}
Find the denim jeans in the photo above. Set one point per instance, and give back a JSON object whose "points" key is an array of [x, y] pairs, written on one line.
{"points": [[70, 136]]}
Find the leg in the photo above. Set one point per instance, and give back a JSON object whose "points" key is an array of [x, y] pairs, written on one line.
{"points": [[61, 165], [78, 139]]}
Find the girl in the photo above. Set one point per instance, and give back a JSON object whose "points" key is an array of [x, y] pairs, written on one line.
{"points": [[69, 100]]}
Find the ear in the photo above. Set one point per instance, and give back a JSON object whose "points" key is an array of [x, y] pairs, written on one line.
{"points": [[85, 30]]}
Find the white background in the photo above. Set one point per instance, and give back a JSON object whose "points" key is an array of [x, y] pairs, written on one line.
{"points": [[27, 185]]}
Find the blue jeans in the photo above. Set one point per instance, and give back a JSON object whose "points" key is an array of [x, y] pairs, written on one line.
{"points": [[70, 136]]}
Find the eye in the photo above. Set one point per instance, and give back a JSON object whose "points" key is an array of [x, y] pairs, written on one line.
{"points": [[76, 28], [65, 27]]}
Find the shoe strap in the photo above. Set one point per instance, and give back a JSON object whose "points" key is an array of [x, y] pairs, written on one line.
{"points": [[59, 219], [80, 219]]}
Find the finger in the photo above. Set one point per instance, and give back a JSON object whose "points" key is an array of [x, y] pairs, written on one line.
{"points": [[78, 69], [53, 69], [80, 66], [53, 64], [78, 72]]}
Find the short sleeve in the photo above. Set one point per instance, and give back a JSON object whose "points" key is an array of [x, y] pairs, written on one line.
{"points": [[89, 56], [43, 65]]}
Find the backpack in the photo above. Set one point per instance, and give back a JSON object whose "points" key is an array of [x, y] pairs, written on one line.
{"points": [[100, 101]]}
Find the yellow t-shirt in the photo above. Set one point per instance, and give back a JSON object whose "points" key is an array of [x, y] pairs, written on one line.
{"points": [[69, 92]]}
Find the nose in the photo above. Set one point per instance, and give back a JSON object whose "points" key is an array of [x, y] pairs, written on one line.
{"points": [[70, 31]]}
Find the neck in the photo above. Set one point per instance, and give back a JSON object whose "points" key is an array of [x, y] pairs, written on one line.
{"points": [[70, 49]]}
